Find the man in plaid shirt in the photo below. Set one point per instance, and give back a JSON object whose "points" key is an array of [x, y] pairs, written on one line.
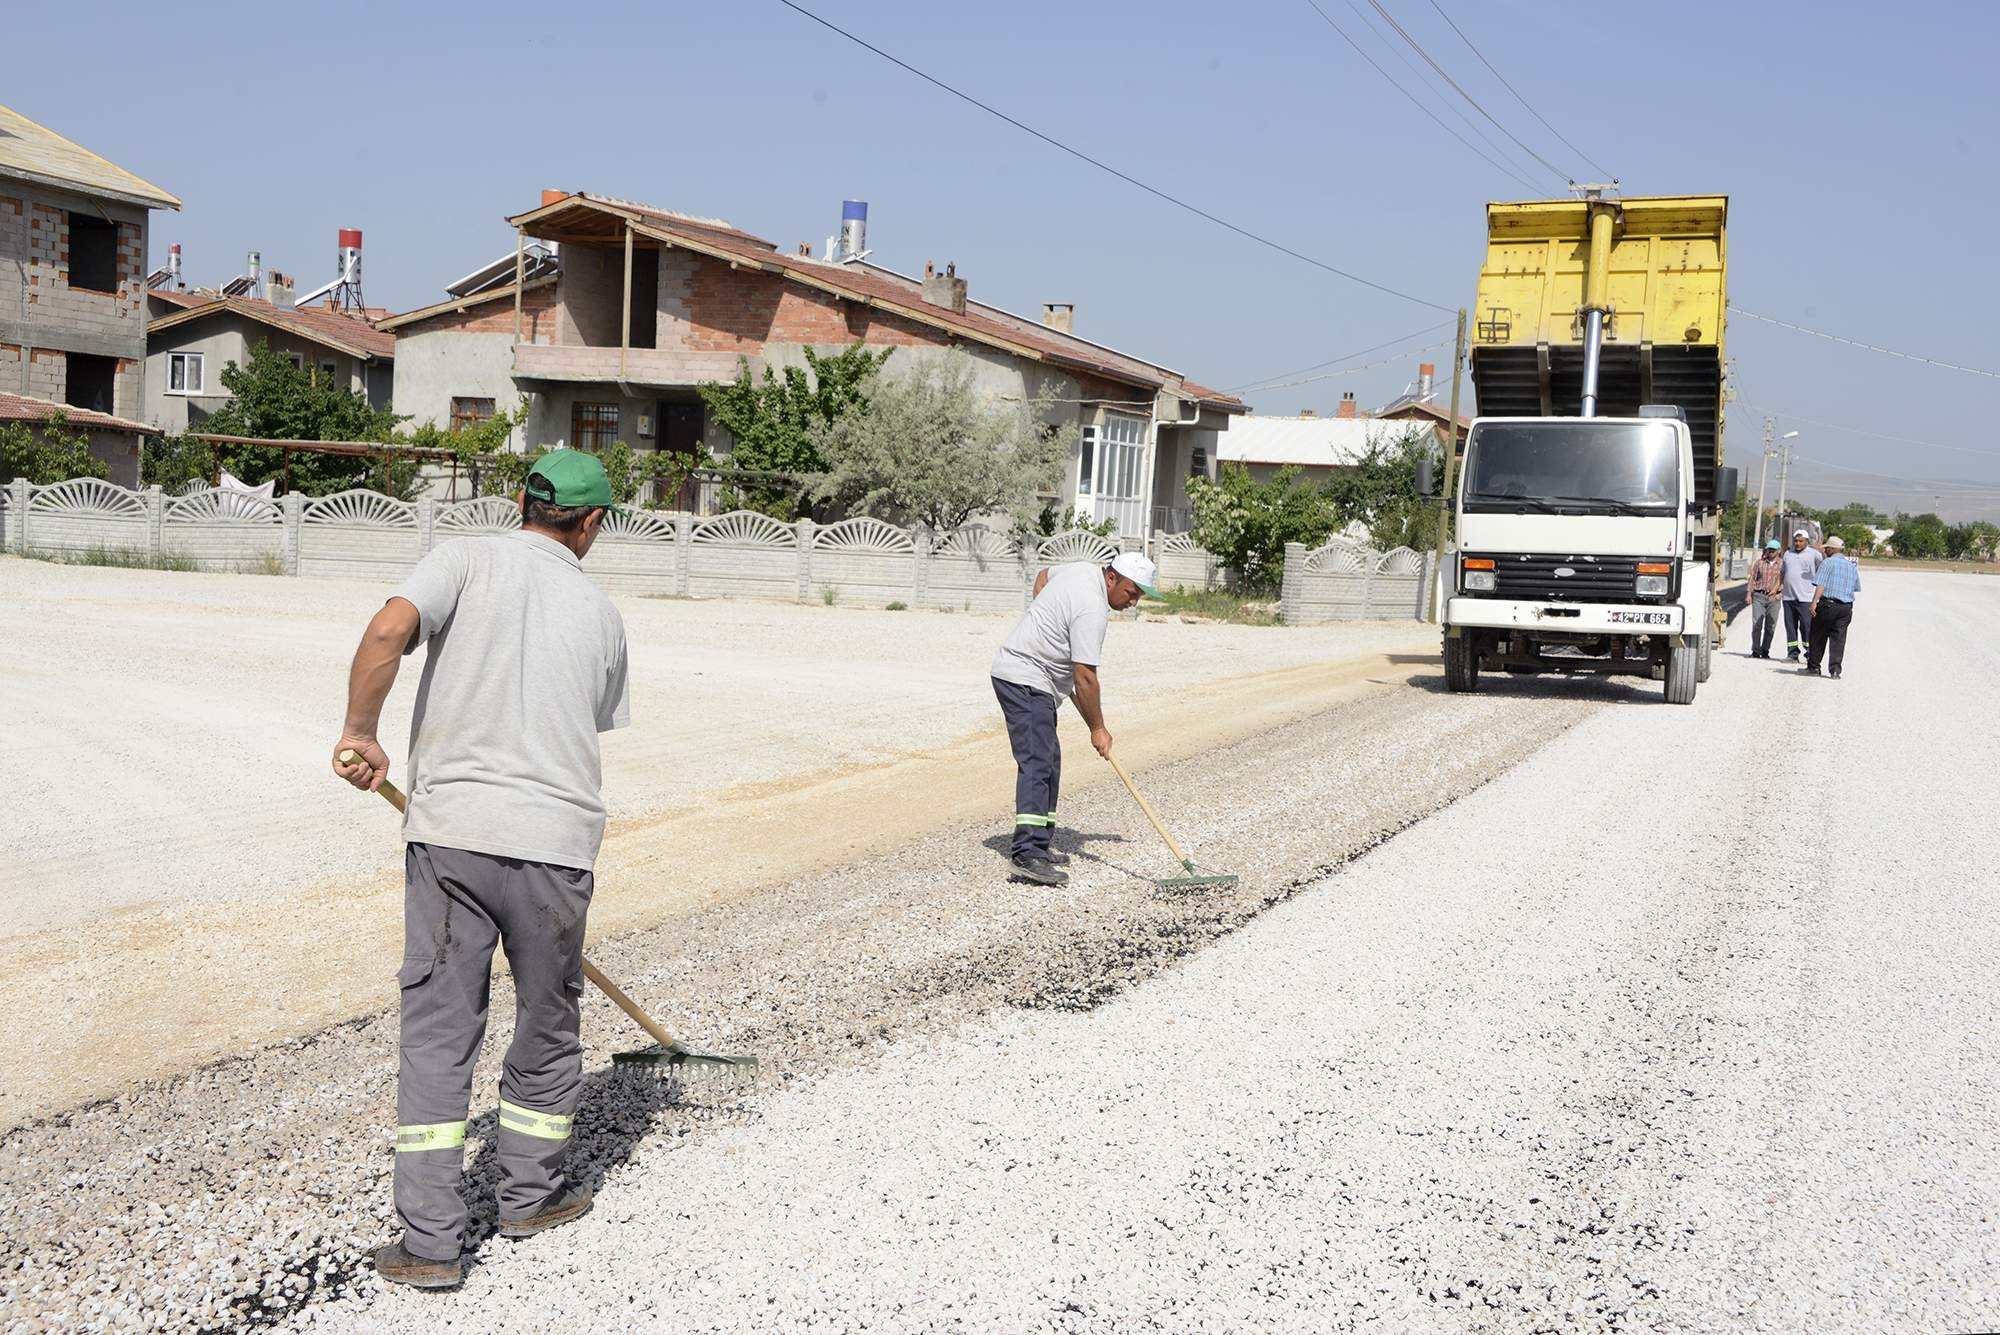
{"points": [[1767, 597], [1834, 586]]}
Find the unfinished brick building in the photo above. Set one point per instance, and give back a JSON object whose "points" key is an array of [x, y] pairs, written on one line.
{"points": [[73, 278], [610, 337]]}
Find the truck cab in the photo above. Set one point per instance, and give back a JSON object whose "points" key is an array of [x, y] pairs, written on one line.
{"points": [[1576, 551]]}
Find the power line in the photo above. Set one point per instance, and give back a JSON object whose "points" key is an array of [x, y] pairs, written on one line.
{"points": [[1389, 43], [1419, 105], [1862, 431], [1351, 370], [1345, 357], [1103, 166], [1602, 173], [1870, 347], [1556, 171]]}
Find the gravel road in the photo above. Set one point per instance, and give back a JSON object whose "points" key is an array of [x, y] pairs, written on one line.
{"points": [[1684, 1023], [1550, 1008]]}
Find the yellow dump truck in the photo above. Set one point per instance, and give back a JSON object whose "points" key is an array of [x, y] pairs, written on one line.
{"points": [[1586, 511]]}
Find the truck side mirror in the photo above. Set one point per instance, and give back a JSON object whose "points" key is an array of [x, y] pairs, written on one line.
{"points": [[1725, 487], [1426, 477]]}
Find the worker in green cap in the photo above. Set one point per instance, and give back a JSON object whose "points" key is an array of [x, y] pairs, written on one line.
{"points": [[526, 666]]}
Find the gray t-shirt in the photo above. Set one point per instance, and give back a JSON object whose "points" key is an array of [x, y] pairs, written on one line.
{"points": [[1800, 567], [526, 667], [1064, 626]]}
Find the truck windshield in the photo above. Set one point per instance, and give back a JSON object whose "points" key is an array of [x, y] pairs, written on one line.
{"points": [[1580, 464]]}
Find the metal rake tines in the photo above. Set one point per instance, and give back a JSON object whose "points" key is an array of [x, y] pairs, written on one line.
{"points": [[688, 1062]]}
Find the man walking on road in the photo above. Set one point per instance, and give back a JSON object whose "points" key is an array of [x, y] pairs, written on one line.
{"points": [[526, 667], [1767, 593], [1801, 563], [1054, 651], [1838, 580]]}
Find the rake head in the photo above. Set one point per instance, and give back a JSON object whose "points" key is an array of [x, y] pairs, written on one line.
{"points": [[1197, 880], [688, 1062]]}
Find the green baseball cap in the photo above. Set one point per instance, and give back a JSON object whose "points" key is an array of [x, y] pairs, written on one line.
{"points": [[569, 478]]}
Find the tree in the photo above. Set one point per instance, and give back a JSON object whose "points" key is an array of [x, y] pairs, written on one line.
{"points": [[1922, 536], [1379, 490], [774, 420], [171, 462], [47, 451], [927, 446], [275, 400], [1860, 538], [1979, 539], [1247, 523]]}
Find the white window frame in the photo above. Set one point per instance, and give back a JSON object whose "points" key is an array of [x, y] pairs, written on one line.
{"points": [[1119, 467], [186, 360], [297, 359], [330, 369]]}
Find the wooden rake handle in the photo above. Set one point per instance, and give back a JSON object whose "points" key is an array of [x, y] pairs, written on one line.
{"points": [[1146, 807], [395, 798]]}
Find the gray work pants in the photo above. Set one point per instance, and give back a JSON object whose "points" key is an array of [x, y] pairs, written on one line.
{"points": [[456, 907], [1031, 733], [1798, 626], [1763, 622]]}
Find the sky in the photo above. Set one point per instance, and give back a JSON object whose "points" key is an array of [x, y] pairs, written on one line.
{"points": [[1855, 142]]}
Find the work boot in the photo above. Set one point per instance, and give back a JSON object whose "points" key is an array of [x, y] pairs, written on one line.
{"points": [[1038, 869], [398, 1266], [570, 1203]]}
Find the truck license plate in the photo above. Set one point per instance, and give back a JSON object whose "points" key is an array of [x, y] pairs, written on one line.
{"points": [[1641, 618]]}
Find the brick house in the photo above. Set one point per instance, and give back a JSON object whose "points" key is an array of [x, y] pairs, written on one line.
{"points": [[72, 277], [644, 305], [192, 336]]}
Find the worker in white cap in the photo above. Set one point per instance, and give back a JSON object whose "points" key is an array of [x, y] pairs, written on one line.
{"points": [[1053, 653], [1801, 564]]}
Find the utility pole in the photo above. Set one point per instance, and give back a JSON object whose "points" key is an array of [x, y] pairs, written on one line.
{"points": [[1763, 477], [1450, 469], [1784, 468]]}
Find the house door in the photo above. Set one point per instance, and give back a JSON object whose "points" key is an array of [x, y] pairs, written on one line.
{"points": [[680, 433]]}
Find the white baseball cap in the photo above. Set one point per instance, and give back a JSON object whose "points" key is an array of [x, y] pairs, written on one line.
{"points": [[1801, 533], [1836, 542], [1135, 567]]}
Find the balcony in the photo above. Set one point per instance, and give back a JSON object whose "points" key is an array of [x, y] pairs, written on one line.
{"points": [[643, 366]]}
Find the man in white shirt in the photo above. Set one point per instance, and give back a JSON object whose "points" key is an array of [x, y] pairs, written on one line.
{"points": [[1053, 652]]}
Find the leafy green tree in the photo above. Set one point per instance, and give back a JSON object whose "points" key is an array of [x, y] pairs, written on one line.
{"points": [[275, 400], [171, 462], [929, 447], [1379, 490], [1247, 523], [1860, 538], [1978, 539], [1924, 537], [775, 420], [47, 452]]}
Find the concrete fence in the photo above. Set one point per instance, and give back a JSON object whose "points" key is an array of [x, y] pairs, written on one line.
{"points": [[743, 554], [1345, 581]]}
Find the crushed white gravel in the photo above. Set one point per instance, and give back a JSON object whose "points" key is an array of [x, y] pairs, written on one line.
{"points": [[1686, 1023]]}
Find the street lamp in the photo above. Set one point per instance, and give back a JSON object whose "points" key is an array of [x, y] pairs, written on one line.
{"points": [[1771, 447]]}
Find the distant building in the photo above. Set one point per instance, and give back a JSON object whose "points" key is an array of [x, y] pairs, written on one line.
{"points": [[72, 279], [611, 339], [1317, 446], [1419, 403], [116, 441]]}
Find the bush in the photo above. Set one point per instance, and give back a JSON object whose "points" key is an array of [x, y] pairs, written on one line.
{"points": [[898, 606], [47, 452], [1246, 523], [930, 448], [774, 421], [275, 400]]}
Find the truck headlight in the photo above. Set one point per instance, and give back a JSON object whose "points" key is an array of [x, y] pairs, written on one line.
{"points": [[1479, 581], [1652, 586]]}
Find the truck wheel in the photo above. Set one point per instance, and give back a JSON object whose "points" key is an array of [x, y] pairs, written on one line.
{"points": [[1683, 672], [1703, 657], [1461, 665]]}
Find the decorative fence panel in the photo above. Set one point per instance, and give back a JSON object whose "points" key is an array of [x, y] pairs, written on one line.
{"points": [[638, 552], [223, 530], [82, 515], [476, 518], [866, 562], [1183, 565], [976, 569], [360, 535], [743, 554], [1345, 581]]}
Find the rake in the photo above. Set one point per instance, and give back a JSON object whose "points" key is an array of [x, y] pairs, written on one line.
{"points": [[1194, 879], [668, 1052]]}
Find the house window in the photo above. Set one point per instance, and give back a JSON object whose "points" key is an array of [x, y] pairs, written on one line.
{"points": [[93, 253], [1198, 461], [328, 370], [1118, 472], [469, 413], [297, 360], [184, 372], [1086, 459], [593, 426]]}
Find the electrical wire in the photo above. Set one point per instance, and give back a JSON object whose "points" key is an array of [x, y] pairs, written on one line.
{"points": [[1870, 347], [1496, 166], [1862, 431], [1106, 167], [1557, 172], [1351, 370], [1346, 357], [1602, 173], [1390, 44]]}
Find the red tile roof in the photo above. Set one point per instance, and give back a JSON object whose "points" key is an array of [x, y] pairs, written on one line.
{"points": [[333, 329], [176, 297], [20, 408], [878, 287]]}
